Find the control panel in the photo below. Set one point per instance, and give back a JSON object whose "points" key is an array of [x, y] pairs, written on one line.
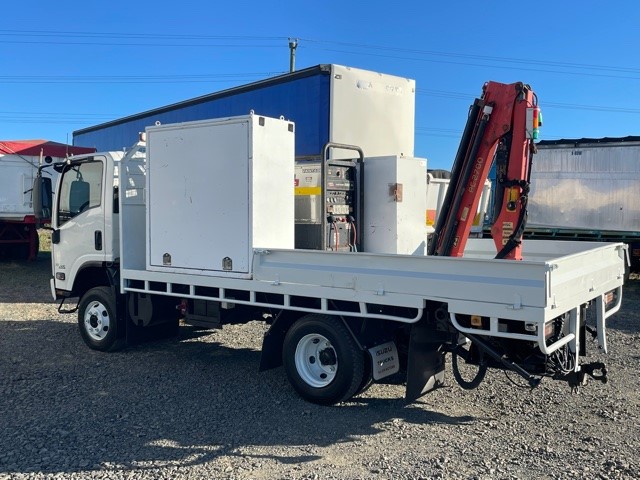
{"points": [[328, 202], [340, 208]]}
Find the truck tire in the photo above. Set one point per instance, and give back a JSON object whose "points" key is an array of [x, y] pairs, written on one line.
{"points": [[322, 360], [97, 320]]}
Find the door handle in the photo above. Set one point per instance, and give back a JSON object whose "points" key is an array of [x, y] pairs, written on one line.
{"points": [[97, 236]]}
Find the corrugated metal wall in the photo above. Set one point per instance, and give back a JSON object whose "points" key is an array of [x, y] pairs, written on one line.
{"points": [[593, 187]]}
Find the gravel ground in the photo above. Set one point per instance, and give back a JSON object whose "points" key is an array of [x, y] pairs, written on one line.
{"points": [[196, 407]]}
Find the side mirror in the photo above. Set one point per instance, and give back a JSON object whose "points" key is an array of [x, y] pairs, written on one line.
{"points": [[42, 199]]}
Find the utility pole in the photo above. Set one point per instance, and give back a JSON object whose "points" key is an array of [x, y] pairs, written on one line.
{"points": [[293, 44]]}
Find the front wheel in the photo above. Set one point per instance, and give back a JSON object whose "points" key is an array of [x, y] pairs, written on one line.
{"points": [[97, 319], [322, 360]]}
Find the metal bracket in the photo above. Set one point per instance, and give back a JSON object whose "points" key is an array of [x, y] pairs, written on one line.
{"points": [[61, 310], [517, 303]]}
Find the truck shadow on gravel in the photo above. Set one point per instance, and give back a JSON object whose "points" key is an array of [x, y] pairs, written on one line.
{"points": [[166, 404]]}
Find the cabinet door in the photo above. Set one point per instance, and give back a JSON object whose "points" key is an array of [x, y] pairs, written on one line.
{"points": [[199, 197]]}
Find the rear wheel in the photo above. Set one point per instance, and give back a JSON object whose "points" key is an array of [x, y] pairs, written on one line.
{"points": [[97, 319], [321, 358]]}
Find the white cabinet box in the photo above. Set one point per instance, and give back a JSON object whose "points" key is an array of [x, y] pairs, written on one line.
{"points": [[216, 190], [395, 205]]}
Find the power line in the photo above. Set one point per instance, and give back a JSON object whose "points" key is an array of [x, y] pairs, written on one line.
{"points": [[7, 112], [426, 132], [123, 44], [483, 65], [111, 35], [545, 104], [151, 39], [596, 108], [138, 40], [210, 78], [225, 77], [526, 61], [132, 79], [47, 122]]}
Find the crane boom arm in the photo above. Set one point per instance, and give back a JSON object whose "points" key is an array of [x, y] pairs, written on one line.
{"points": [[500, 125]]}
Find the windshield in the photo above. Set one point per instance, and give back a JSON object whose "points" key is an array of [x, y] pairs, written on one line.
{"points": [[80, 190]]}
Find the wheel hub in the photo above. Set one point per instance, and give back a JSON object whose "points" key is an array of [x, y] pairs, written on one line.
{"points": [[96, 321], [327, 356], [316, 360]]}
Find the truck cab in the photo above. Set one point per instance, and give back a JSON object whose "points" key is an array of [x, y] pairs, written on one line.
{"points": [[85, 240]]}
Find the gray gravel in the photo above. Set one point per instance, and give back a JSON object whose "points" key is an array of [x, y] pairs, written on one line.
{"points": [[196, 407]]}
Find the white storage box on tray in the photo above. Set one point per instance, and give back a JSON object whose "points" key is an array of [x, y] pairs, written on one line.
{"points": [[217, 190]]}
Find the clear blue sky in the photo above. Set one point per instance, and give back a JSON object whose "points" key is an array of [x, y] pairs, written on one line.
{"points": [[70, 64]]}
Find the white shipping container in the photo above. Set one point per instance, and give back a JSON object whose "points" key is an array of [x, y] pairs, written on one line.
{"points": [[586, 185], [361, 103]]}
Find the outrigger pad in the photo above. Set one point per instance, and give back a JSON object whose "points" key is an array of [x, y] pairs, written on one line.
{"points": [[425, 365]]}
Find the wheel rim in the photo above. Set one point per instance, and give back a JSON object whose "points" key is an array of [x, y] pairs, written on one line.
{"points": [[316, 360], [96, 320]]}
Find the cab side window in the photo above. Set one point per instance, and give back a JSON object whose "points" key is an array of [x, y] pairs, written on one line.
{"points": [[80, 190]]}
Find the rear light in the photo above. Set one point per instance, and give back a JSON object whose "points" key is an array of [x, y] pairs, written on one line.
{"points": [[609, 298]]}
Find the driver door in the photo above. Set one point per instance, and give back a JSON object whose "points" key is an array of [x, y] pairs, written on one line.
{"points": [[79, 223]]}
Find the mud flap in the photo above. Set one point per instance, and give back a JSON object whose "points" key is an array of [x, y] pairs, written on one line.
{"points": [[271, 356], [425, 364]]}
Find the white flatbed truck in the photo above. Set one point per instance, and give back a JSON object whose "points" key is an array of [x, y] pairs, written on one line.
{"points": [[200, 218]]}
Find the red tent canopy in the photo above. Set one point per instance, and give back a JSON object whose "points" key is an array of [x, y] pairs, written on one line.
{"points": [[34, 147]]}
